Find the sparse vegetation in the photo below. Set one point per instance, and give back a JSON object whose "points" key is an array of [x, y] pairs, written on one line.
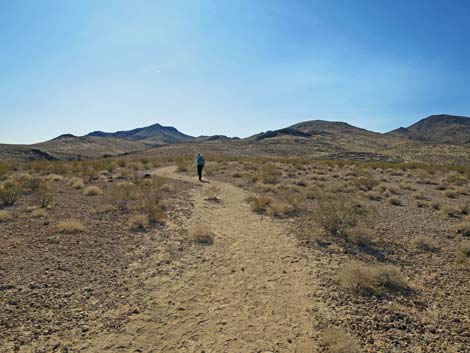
{"points": [[10, 191], [70, 226], [43, 197], [92, 191], [39, 213], [77, 183], [463, 228], [139, 221], [371, 279], [5, 215], [201, 234]]}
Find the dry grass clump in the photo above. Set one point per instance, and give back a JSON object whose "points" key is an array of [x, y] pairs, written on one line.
{"points": [[139, 221], [463, 228], [372, 195], [39, 213], [70, 226], [451, 194], [183, 166], [77, 183], [423, 243], [366, 183], [201, 234], [338, 341], [371, 279], [5, 216], [450, 212], [259, 204], [10, 191], [213, 193], [463, 251], [53, 177], [92, 191], [359, 235]]}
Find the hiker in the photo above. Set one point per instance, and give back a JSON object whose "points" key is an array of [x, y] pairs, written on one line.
{"points": [[200, 164]]}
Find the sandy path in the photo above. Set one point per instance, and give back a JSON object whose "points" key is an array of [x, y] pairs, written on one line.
{"points": [[248, 292]]}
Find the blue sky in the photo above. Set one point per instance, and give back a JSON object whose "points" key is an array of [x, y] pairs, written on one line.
{"points": [[228, 67]]}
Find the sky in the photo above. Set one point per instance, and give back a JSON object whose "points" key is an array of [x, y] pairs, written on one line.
{"points": [[228, 67]]}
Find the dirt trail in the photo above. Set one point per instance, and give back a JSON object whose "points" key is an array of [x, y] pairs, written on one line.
{"points": [[248, 292]]}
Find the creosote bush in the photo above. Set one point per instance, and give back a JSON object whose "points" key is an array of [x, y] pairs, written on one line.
{"points": [[122, 195], [10, 191], [43, 197], [70, 226], [371, 279], [336, 214], [463, 228]]}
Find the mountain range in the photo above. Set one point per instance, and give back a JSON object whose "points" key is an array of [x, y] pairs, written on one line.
{"points": [[316, 138]]}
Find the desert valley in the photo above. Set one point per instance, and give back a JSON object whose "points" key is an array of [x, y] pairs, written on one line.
{"points": [[318, 237]]}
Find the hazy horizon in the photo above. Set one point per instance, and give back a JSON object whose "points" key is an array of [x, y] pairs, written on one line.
{"points": [[208, 67]]}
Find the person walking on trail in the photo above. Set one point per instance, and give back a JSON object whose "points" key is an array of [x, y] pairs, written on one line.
{"points": [[200, 165]]}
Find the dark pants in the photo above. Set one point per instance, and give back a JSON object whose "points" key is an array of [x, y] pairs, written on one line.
{"points": [[199, 171]]}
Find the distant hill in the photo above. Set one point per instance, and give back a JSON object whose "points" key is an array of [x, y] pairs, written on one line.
{"points": [[438, 129], [151, 135]]}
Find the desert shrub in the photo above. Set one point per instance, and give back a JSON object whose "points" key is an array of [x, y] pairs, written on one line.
{"points": [[92, 191], [5, 168], [463, 228], [464, 208], [335, 213], [149, 199], [268, 174], [43, 197], [88, 172], [450, 212], [54, 177], [139, 221], [366, 183], [10, 191], [422, 204], [259, 204], [436, 205], [70, 226], [5, 216], [213, 193], [39, 213], [359, 235], [237, 175], [463, 251], [201, 234], [395, 201], [279, 208], [456, 180], [30, 184], [77, 183], [122, 195], [338, 341], [421, 196], [371, 279], [424, 243]]}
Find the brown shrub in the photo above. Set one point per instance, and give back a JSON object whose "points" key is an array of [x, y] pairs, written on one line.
{"points": [[39, 213], [5, 216], [366, 183], [201, 234], [423, 243], [70, 226], [395, 201], [139, 221], [259, 204], [371, 279], [463, 228], [43, 197], [213, 193], [92, 191], [10, 191], [77, 183]]}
